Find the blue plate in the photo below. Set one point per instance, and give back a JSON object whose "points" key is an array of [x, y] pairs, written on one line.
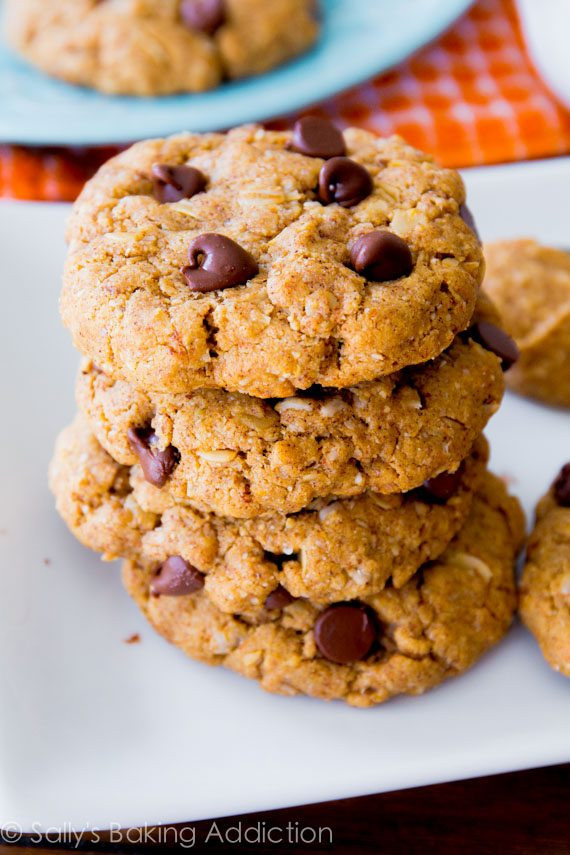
{"points": [[360, 38]]}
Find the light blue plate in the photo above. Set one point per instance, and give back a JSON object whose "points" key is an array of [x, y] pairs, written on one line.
{"points": [[360, 38]]}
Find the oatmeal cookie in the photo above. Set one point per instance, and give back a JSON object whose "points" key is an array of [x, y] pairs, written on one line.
{"points": [[240, 456], [145, 47], [545, 583], [265, 262], [530, 284], [400, 641], [334, 550]]}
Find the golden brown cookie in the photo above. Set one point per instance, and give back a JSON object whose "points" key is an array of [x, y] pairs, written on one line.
{"points": [[335, 550], [145, 47], [281, 264], [530, 285], [241, 456], [401, 641], [545, 583]]}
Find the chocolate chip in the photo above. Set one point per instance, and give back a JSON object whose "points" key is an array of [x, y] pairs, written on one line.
{"points": [[317, 137], [562, 487], [345, 632], [157, 464], [206, 16], [279, 598], [469, 220], [172, 183], [344, 181], [496, 340], [441, 488], [217, 262], [176, 578], [381, 256]]}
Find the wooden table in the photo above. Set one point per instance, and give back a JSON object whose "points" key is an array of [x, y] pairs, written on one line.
{"points": [[525, 813]]}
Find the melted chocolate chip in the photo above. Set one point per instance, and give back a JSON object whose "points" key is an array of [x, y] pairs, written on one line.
{"points": [[176, 578], [345, 632], [496, 340], [441, 488], [173, 183], [317, 137], [381, 256], [206, 16], [157, 465], [562, 487], [217, 262], [344, 181], [279, 598]]}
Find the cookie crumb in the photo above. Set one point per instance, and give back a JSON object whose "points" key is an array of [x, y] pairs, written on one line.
{"points": [[133, 639]]}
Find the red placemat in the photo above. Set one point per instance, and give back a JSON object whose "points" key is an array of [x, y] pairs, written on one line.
{"points": [[472, 97]]}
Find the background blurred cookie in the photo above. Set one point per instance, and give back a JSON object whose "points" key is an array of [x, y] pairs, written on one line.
{"points": [[545, 583], [530, 285], [140, 47]]}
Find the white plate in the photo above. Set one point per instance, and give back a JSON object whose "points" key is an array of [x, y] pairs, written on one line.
{"points": [[94, 731]]}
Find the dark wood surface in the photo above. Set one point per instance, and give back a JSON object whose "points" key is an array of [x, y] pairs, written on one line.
{"points": [[525, 813]]}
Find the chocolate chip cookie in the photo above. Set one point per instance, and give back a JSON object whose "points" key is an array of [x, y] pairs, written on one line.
{"points": [[399, 641], [266, 262], [545, 583], [530, 284], [334, 550], [145, 47], [240, 456]]}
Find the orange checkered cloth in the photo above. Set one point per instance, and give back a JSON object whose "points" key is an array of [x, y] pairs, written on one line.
{"points": [[472, 97]]}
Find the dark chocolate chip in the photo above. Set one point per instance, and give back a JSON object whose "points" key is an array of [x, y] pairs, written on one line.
{"points": [[345, 632], [469, 220], [217, 262], [441, 488], [562, 487], [496, 340], [344, 181], [157, 464], [172, 183], [176, 578], [317, 137], [381, 256], [206, 16], [279, 598]]}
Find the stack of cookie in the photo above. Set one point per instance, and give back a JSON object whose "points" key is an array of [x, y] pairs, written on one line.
{"points": [[287, 370]]}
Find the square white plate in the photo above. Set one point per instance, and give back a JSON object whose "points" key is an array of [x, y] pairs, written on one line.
{"points": [[94, 731]]}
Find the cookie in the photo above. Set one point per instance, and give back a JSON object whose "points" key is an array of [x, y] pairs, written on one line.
{"points": [[545, 583], [400, 641], [335, 550], [530, 284], [266, 262], [242, 457], [144, 47]]}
